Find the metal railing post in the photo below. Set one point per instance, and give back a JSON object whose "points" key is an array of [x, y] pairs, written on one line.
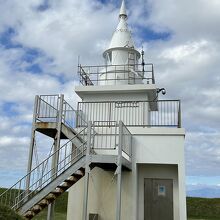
{"points": [[87, 171], [153, 79], [77, 116], [55, 159], [179, 116], [119, 172], [31, 150], [57, 140]]}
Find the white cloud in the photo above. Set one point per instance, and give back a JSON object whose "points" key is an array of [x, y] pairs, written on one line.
{"points": [[7, 141], [181, 52], [186, 64], [64, 31]]}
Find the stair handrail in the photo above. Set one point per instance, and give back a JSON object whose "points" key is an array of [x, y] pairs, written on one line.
{"points": [[67, 109], [52, 177], [126, 140], [50, 109], [18, 185]]}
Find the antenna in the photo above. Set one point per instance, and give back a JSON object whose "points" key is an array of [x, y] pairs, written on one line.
{"points": [[143, 63], [78, 60]]}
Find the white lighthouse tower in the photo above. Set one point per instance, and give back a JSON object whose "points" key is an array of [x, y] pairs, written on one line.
{"points": [[147, 180], [123, 158]]}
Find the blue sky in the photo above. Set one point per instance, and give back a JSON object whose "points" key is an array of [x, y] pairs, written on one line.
{"points": [[40, 41]]}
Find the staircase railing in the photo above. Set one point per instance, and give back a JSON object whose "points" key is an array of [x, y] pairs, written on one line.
{"points": [[48, 108], [126, 141], [17, 195], [107, 137]]}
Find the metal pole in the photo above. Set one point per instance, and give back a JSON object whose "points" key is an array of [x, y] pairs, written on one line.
{"points": [[179, 115], [119, 172], [87, 171], [50, 212], [30, 157], [55, 159]]}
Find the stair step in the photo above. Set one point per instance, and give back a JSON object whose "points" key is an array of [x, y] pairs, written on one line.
{"points": [[71, 179], [44, 202], [80, 171], [65, 186], [37, 208], [78, 174], [50, 197], [57, 191], [29, 214]]}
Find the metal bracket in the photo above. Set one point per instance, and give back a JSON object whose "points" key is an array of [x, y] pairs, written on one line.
{"points": [[118, 170]]}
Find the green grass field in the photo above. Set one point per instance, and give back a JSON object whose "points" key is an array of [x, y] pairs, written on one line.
{"points": [[200, 208], [60, 209], [197, 209]]}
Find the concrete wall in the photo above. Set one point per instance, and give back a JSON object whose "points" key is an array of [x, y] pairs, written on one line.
{"points": [[157, 153], [162, 146], [75, 200], [141, 92], [120, 97], [102, 196]]}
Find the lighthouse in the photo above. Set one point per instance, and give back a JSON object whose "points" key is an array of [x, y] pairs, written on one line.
{"points": [[120, 154], [150, 183]]}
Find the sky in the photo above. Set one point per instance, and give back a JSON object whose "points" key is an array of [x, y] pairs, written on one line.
{"points": [[41, 40]]}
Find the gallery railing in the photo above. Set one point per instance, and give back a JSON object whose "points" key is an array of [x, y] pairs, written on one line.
{"points": [[161, 113], [116, 74]]}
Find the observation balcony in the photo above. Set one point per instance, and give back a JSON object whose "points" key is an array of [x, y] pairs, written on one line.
{"points": [[159, 113], [116, 74]]}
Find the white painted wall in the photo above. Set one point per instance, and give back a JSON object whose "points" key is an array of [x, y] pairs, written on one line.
{"points": [[157, 153], [116, 93], [102, 196]]}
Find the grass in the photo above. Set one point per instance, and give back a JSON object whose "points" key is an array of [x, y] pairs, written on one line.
{"points": [[43, 216], [197, 209], [60, 209], [7, 213], [201, 208]]}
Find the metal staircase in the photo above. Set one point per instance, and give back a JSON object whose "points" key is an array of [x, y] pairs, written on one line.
{"points": [[68, 163], [46, 182]]}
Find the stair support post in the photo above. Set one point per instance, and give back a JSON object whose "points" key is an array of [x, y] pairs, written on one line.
{"points": [[55, 159], [119, 172], [31, 149], [87, 172]]}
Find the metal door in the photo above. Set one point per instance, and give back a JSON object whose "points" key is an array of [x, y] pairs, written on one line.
{"points": [[158, 199]]}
